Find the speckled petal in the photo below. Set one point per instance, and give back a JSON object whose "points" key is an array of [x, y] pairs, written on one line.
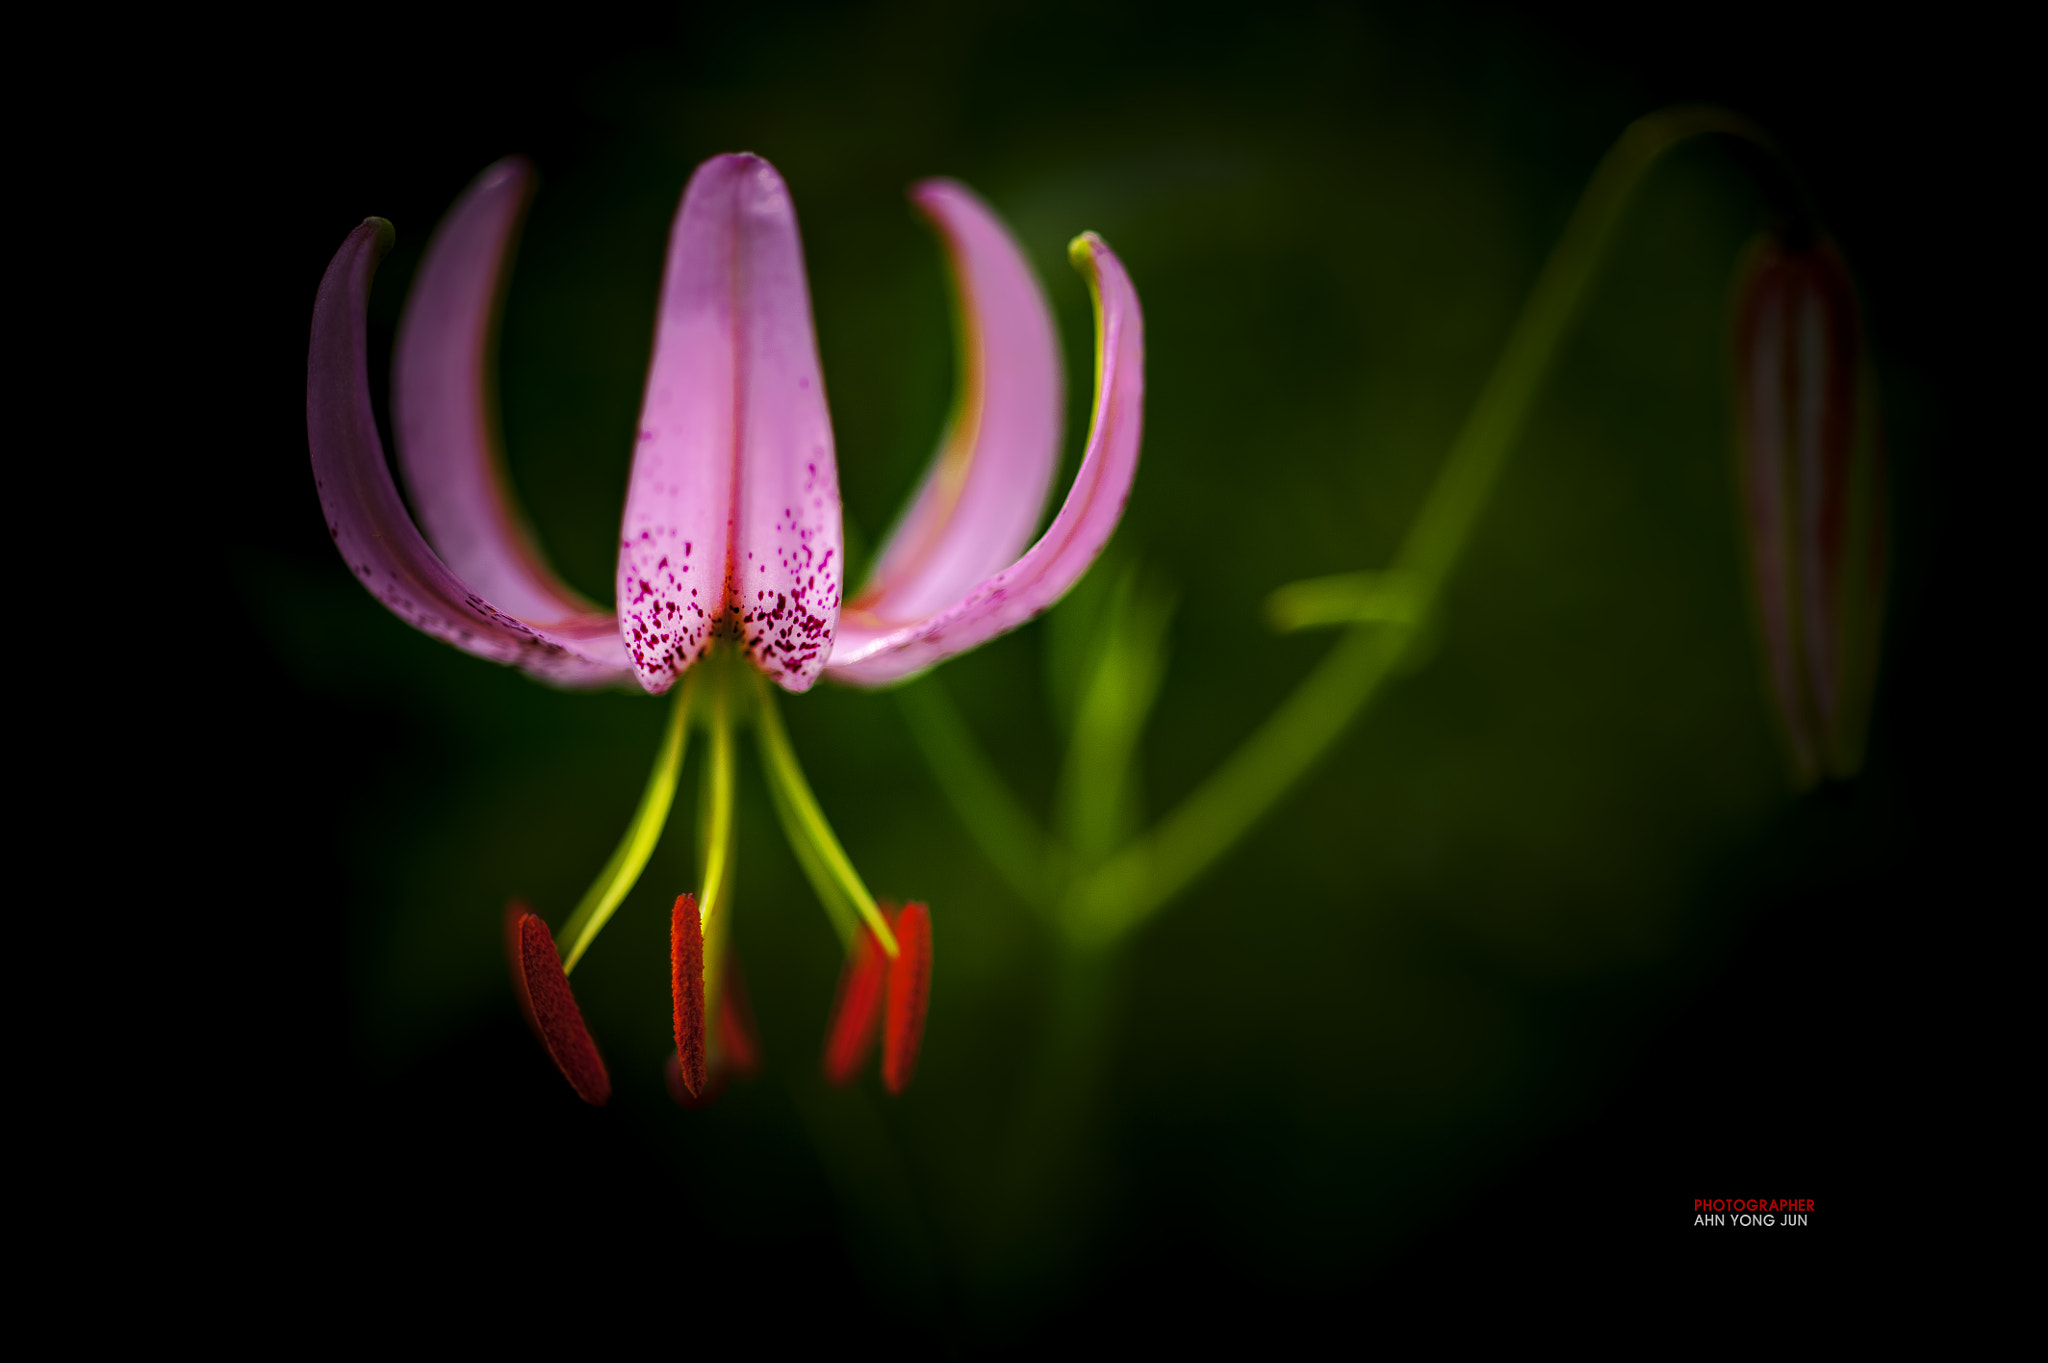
{"points": [[732, 515], [445, 417], [369, 523], [989, 483], [866, 656]]}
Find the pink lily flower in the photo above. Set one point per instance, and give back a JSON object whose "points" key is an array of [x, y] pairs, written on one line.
{"points": [[730, 545]]}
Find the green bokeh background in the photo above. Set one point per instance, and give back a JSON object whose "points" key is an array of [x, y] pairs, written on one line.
{"points": [[1553, 880]]}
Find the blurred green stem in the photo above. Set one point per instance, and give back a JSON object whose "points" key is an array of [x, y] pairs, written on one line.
{"points": [[1123, 892], [1099, 896], [1099, 887], [1010, 838]]}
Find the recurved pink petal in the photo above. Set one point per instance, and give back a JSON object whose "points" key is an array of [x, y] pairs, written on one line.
{"points": [[445, 414], [732, 515], [369, 523], [872, 655], [988, 484]]}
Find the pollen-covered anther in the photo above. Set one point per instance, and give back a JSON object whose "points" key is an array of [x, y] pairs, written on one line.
{"points": [[550, 1006], [686, 973], [734, 1049], [857, 1008], [910, 983]]}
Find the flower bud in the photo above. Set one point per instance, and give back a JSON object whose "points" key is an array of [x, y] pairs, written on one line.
{"points": [[1811, 472]]}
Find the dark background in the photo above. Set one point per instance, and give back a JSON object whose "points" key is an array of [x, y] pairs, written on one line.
{"points": [[1544, 949]]}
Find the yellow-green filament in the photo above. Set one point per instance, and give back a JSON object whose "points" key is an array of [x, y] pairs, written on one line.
{"points": [[714, 834], [846, 900], [630, 858]]}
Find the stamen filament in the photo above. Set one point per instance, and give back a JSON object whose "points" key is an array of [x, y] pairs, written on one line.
{"points": [[817, 848], [642, 833], [839, 909], [714, 832]]}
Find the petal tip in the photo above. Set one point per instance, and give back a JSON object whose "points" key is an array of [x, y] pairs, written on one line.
{"points": [[740, 164], [939, 189], [516, 169]]}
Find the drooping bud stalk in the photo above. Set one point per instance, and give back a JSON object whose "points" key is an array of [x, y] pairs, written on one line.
{"points": [[857, 1008], [686, 973], [910, 982], [1811, 471], [550, 1005]]}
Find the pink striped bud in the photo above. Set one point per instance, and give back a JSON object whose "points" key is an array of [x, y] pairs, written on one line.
{"points": [[1811, 469]]}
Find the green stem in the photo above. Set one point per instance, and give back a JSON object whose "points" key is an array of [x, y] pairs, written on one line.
{"points": [[1149, 871], [818, 851], [1009, 837], [1440, 532], [642, 833]]}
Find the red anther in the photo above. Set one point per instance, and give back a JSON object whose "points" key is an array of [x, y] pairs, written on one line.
{"points": [[686, 973], [910, 984], [736, 1035], [857, 1010], [714, 1084], [550, 1006]]}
